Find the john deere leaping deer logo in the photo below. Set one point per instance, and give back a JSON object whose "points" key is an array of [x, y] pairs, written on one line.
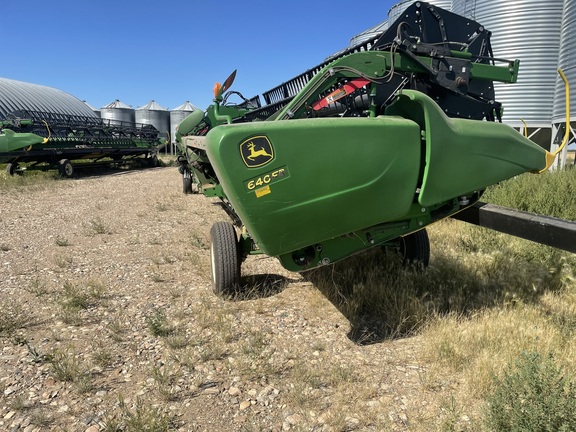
{"points": [[256, 151]]}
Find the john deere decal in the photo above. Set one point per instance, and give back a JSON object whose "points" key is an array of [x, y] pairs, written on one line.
{"points": [[256, 151]]}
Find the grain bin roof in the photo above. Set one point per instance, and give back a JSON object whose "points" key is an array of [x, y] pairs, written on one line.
{"points": [[152, 106], [186, 106], [19, 95], [116, 104]]}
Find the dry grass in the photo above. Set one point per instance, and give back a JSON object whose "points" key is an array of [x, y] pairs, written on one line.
{"points": [[33, 180], [477, 349], [14, 316], [476, 309], [528, 304]]}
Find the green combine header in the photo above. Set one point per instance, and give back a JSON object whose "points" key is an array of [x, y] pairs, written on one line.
{"points": [[363, 151], [42, 140]]}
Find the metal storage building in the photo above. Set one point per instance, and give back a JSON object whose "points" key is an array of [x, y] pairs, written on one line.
{"points": [[18, 95]]}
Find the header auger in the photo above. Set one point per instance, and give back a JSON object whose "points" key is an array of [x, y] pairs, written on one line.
{"points": [[364, 150]]}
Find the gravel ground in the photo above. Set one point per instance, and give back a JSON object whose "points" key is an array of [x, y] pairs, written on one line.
{"points": [[108, 322]]}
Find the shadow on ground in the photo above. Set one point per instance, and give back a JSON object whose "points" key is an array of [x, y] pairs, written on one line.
{"points": [[258, 286], [384, 300]]}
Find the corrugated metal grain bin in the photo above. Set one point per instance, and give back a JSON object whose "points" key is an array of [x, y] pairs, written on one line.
{"points": [[566, 61], [117, 113], [396, 11], [155, 115], [177, 115], [528, 30]]}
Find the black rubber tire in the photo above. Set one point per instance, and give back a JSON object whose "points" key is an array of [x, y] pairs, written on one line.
{"points": [[414, 249], [187, 183], [65, 168], [153, 161], [224, 258], [12, 168]]}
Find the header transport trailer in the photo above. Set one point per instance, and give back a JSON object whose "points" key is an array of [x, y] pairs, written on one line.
{"points": [[364, 150], [33, 140]]}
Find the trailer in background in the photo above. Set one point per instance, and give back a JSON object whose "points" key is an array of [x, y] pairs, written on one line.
{"points": [[34, 140]]}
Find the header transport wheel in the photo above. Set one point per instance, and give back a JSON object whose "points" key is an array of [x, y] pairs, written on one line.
{"points": [[187, 181], [65, 168], [413, 248], [224, 258], [153, 161], [13, 168]]}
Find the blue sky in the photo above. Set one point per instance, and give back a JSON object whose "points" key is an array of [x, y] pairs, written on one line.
{"points": [[171, 51]]}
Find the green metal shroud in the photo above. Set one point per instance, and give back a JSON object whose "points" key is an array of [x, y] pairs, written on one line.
{"points": [[12, 141], [313, 191], [328, 177], [465, 155]]}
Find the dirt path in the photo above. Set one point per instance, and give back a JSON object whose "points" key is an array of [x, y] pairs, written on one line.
{"points": [[108, 323]]}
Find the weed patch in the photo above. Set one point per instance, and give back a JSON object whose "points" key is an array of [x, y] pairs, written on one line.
{"points": [[13, 316], [32, 180], [158, 324], [62, 241], [534, 394], [67, 367], [97, 226], [550, 193], [141, 417]]}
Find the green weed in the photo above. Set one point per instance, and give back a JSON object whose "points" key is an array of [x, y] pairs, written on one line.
{"points": [[62, 241], [158, 324], [550, 193], [74, 297], [116, 329], [141, 417], [161, 207], [534, 394], [198, 241], [41, 417], [97, 226], [166, 378], [13, 316], [37, 287], [67, 367]]}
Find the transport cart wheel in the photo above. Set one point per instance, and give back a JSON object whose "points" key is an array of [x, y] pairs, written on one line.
{"points": [[153, 161], [187, 182], [414, 248], [12, 168], [65, 168], [224, 258]]}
